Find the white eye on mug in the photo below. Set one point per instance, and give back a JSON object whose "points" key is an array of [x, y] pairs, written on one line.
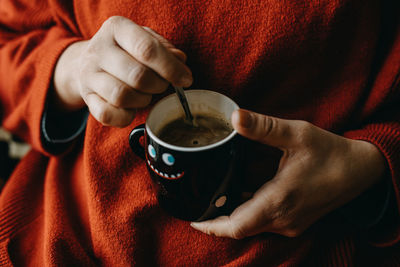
{"points": [[168, 159], [152, 151]]}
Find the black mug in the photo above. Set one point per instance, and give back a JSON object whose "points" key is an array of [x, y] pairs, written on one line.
{"points": [[191, 183]]}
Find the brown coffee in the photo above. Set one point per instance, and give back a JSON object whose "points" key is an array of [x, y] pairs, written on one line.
{"points": [[207, 130]]}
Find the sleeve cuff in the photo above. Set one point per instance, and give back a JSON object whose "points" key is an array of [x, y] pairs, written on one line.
{"points": [[368, 209], [59, 131]]}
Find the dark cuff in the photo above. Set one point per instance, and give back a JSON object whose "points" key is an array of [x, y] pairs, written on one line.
{"points": [[369, 209], [59, 131]]}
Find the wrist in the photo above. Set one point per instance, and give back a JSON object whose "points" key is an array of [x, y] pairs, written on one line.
{"points": [[65, 95], [366, 165]]}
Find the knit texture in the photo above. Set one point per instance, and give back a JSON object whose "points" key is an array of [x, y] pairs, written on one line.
{"points": [[333, 63]]}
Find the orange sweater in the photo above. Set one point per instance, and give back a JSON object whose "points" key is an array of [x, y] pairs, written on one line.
{"points": [[333, 63]]}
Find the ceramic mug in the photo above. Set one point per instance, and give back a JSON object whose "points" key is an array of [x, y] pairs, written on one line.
{"points": [[191, 183]]}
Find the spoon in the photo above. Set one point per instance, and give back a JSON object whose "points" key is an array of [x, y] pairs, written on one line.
{"points": [[182, 98]]}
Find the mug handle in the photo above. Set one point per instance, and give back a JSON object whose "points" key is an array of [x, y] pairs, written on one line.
{"points": [[134, 137]]}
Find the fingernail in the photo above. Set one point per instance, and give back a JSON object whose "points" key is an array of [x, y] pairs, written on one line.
{"points": [[179, 54], [246, 119], [194, 225], [186, 81]]}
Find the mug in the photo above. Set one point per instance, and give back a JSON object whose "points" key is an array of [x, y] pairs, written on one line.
{"points": [[191, 183]]}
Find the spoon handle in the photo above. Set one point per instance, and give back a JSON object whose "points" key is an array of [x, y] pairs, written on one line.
{"points": [[182, 98]]}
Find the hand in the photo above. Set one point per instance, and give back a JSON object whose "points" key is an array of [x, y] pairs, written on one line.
{"points": [[318, 172], [117, 71]]}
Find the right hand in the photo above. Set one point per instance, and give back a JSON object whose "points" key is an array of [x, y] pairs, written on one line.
{"points": [[117, 71]]}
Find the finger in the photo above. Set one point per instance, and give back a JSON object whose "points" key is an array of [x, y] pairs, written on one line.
{"points": [[127, 69], [266, 129], [115, 92], [150, 52], [107, 114], [178, 53], [246, 220], [159, 37]]}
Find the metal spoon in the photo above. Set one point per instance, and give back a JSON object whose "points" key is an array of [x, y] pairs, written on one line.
{"points": [[182, 98]]}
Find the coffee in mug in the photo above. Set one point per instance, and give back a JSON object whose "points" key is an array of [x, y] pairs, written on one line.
{"points": [[205, 130]]}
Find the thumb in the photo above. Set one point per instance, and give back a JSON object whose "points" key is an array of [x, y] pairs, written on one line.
{"points": [[265, 129]]}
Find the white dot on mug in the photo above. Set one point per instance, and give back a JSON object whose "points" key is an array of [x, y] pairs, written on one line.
{"points": [[220, 201]]}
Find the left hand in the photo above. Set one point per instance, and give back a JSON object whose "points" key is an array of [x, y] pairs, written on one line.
{"points": [[318, 172]]}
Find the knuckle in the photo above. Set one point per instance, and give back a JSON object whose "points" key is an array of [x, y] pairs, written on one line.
{"points": [[148, 99], [92, 50], [104, 116], [118, 95], [146, 49], [207, 230], [237, 234], [284, 223], [304, 133], [161, 87], [236, 230], [267, 124], [286, 220], [284, 204], [112, 21], [145, 100], [84, 70], [125, 121], [137, 76]]}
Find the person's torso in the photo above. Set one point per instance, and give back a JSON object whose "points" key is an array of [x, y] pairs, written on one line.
{"points": [[292, 59]]}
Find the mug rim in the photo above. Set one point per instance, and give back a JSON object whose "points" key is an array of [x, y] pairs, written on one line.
{"points": [[193, 149]]}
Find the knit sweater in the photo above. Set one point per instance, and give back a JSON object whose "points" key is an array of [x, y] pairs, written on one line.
{"points": [[335, 64]]}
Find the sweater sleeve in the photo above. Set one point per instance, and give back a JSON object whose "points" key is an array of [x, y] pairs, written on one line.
{"points": [[33, 34], [379, 118], [386, 137]]}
